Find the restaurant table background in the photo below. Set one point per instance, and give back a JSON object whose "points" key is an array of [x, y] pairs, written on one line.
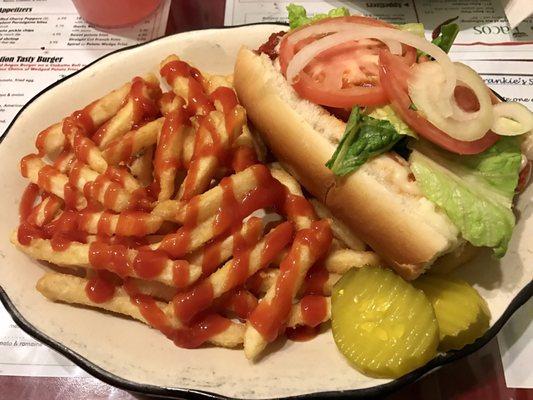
{"points": [[477, 377]]}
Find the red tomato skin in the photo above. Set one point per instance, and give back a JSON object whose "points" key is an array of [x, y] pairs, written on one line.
{"points": [[318, 93], [393, 73]]}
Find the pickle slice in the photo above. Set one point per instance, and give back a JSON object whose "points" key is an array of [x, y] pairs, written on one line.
{"points": [[462, 314], [382, 324]]}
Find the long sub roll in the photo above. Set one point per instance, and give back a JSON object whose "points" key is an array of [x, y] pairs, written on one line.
{"points": [[380, 202]]}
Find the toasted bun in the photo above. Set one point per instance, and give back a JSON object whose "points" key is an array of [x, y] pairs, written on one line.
{"points": [[378, 202]]}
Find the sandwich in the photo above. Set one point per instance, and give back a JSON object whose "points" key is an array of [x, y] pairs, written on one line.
{"points": [[411, 150]]}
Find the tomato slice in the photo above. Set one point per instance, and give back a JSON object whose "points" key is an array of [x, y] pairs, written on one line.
{"points": [[393, 73], [345, 75], [523, 177]]}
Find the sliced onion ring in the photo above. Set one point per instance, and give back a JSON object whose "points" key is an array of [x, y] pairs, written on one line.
{"points": [[458, 113], [360, 31], [426, 86], [309, 52], [394, 46], [333, 27], [511, 119]]}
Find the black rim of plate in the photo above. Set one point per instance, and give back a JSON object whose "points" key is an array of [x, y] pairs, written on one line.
{"points": [[380, 390]]}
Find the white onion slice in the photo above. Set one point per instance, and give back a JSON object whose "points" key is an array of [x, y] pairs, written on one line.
{"points": [[527, 145], [458, 113], [358, 32], [511, 119], [334, 27], [426, 85], [394, 46]]}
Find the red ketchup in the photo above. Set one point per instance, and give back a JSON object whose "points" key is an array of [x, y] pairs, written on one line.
{"points": [[118, 251]]}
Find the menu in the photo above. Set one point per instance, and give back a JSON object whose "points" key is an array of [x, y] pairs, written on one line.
{"points": [[502, 55], [42, 41]]}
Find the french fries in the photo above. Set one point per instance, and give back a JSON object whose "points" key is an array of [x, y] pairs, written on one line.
{"points": [[158, 205]]}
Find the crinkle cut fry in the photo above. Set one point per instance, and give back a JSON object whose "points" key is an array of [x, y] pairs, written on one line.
{"points": [[340, 230], [296, 207], [134, 223], [297, 316], [207, 204], [48, 178], [46, 210], [188, 83], [71, 289], [141, 104], [78, 255], [133, 142], [234, 273], [214, 138], [141, 167], [84, 148], [219, 251], [168, 153], [51, 140], [267, 278], [230, 210], [99, 187], [310, 245], [300, 257]]}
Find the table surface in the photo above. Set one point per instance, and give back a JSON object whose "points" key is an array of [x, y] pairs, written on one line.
{"points": [[477, 377]]}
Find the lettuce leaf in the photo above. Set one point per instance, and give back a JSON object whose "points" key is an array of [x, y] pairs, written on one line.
{"points": [[447, 36], [365, 137], [494, 171], [414, 28], [298, 15], [387, 113], [476, 191]]}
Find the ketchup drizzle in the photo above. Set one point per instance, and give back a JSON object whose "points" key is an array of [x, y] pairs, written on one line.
{"points": [[269, 317], [27, 201], [120, 249], [99, 290], [197, 101]]}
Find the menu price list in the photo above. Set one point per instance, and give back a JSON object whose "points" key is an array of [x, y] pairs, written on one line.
{"points": [[45, 40], [24, 356], [63, 32], [485, 32], [42, 41]]}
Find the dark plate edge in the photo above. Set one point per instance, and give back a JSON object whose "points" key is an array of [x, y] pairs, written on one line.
{"points": [[380, 390]]}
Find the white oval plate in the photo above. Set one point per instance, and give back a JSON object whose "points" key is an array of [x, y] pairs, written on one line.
{"points": [[128, 354]]}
